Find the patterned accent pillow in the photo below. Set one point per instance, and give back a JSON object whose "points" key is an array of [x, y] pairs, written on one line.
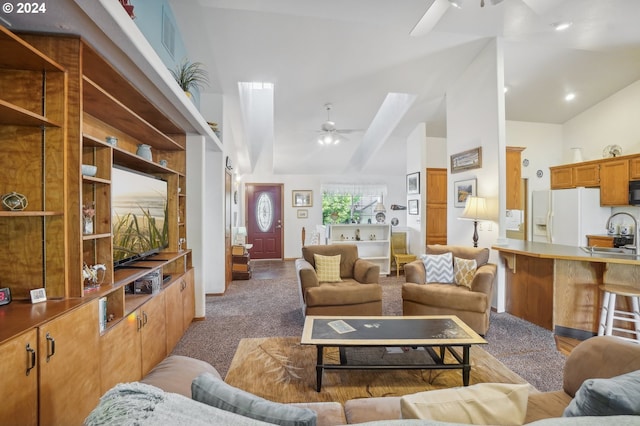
{"points": [[464, 270], [327, 268], [438, 267]]}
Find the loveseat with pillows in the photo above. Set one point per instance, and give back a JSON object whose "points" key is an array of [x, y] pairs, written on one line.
{"points": [[601, 387], [451, 280]]}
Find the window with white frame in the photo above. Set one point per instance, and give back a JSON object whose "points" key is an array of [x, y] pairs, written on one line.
{"points": [[351, 203]]}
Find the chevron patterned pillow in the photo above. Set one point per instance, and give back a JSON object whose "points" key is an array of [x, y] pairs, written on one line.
{"points": [[439, 268]]}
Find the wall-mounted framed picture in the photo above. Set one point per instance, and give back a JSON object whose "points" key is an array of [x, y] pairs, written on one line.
{"points": [[471, 159], [302, 198], [303, 213], [461, 190], [413, 183], [413, 207]]}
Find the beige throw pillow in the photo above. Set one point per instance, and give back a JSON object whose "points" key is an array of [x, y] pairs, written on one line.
{"points": [[464, 270], [481, 404], [327, 268]]}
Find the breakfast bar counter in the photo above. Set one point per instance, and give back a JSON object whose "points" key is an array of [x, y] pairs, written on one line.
{"points": [[556, 286]]}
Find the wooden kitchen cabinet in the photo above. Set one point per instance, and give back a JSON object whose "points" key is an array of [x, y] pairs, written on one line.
{"points": [[614, 182], [514, 177], [634, 168], [561, 177], [586, 174], [19, 372], [69, 366]]}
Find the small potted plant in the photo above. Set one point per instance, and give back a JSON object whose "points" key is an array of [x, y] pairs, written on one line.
{"points": [[190, 75]]}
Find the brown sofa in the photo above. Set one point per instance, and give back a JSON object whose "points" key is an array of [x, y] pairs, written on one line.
{"points": [[473, 306], [357, 294], [597, 357]]}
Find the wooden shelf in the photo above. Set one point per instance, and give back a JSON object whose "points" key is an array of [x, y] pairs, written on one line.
{"points": [[105, 107], [17, 54], [133, 161], [15, 115], [93, 179], [29, 213], [87, 237]]}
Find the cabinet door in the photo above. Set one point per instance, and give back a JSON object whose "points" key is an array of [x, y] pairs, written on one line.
{"points": [[120, 350], [188, 299], [587, 175], [69, 363], [634, 168], [173, 301], [561, 177], [19, 390], [614, 183], [153, 332]]}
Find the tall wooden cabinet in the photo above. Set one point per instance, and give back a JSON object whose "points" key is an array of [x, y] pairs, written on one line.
{"points": [[59, 100]]}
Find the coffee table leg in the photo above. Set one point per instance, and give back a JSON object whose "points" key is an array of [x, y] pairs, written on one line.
{"points": [[343, 355], [466, 368], [319, 368]]}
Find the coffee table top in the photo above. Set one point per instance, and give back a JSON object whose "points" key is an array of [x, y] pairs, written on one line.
{"points": [[428, 330]]}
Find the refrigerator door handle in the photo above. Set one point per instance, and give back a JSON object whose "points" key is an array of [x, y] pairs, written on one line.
{"points": [[549, 226]]}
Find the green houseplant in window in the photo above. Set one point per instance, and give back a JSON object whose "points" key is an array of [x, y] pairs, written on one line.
{"points": [[190, 75]]}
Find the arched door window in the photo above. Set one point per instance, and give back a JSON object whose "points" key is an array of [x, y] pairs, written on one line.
{"points": [[264, 212]]}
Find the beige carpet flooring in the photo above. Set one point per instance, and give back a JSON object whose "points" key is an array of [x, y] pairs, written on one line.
{"points": [[281, 369]]}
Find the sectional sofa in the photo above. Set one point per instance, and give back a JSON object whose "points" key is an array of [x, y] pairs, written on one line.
{"points": [[165, 395]]}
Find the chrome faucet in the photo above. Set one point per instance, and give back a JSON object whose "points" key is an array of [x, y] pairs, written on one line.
{"points": [[635, 229]]}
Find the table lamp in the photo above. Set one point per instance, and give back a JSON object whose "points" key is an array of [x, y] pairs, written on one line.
{"points": [[475, 209], [241, 233]]}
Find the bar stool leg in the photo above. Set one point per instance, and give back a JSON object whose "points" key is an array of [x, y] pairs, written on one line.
{"points": [[610, 311], [603, 313], [636, 315]]}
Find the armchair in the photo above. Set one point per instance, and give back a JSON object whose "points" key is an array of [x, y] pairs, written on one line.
{"points": [[471, 304], [357, 292]]}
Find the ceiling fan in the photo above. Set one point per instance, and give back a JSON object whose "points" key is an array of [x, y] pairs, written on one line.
{"points": [[329, 134], [438, 8]]}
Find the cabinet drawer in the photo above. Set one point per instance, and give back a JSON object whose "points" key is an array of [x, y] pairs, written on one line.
{"points": [[241, 267], [240, 259]]}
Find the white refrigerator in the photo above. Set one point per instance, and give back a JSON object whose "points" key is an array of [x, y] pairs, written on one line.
{"points": [[566, 216]]}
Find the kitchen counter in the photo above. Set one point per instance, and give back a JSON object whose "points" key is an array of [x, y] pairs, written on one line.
{"points": [[556, 286], [559, 251]]}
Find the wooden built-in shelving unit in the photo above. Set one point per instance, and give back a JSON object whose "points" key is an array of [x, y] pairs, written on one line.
{"points": [[59, 100]]}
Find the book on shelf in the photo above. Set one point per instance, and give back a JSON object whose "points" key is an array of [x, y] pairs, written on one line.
{"points": [[102, 313]]}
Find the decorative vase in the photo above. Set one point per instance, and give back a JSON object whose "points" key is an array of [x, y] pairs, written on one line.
{"points": [[87, 225], [144, 151]]}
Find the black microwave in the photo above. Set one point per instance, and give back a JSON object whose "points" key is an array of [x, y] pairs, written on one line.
{"points": [[634, 192]]}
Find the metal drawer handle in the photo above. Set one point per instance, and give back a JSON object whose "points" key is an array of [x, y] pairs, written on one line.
{"points": [[51, 346], [32, 352]]}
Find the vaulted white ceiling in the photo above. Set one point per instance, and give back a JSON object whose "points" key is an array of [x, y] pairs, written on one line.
{"points": [[356, 53]]}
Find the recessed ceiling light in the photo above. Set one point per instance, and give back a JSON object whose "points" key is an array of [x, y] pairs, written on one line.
{"points": [[456, 3], [506, 89], [569, 97], [561, 26]]}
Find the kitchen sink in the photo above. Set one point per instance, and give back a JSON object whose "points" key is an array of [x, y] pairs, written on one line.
{"points": [[616, 251]]}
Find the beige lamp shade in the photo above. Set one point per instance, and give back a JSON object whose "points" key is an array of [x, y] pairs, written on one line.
{"points": [[475, 209]]}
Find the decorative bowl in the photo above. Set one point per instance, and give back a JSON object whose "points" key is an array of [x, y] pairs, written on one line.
{"points": [[89, 170]]}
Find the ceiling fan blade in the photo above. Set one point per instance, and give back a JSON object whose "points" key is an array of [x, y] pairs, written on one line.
{"points": [[431, 18]]}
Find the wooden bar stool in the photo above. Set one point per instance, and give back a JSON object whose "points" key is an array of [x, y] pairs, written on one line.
{"points": [[609, 312]]}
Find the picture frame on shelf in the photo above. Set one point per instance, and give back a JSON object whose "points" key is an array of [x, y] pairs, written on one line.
{"points": [[413, 183], [462, 189], [38, 295], [301, 198], [466, 160], [303, 213], [413, 207]]}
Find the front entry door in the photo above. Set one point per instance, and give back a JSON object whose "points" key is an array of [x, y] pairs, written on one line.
{"points": [[264, 220]]}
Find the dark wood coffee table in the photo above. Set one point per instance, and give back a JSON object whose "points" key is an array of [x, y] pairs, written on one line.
{"points": [[442, 331]]}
